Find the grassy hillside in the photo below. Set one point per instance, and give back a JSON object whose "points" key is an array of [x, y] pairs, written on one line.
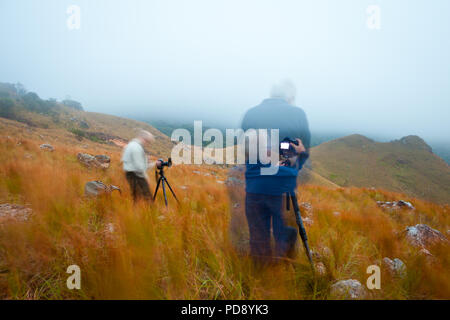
{"points": [[186, 251], [67, 118], [406, 165]]}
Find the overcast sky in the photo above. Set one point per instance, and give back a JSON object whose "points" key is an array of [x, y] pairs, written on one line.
{"points": [[210, 59]]}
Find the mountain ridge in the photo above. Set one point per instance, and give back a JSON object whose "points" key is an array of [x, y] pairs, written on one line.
{"points": [[406, 165]]}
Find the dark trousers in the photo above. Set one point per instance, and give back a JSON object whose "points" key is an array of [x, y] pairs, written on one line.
{"points": [[139, 186], [262, 210]]}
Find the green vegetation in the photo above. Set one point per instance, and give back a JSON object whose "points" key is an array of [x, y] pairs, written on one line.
{"points": [[73, 104], [7, 108], [26, 107], [85, 135], [16, 102]]}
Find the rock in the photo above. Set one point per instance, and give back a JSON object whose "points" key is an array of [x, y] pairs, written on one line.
{"points": [[422, 235], [14, 212], [220, 182], [320, 253], [307, 221], [28, 156], [405, 204], [47, 147], [425, 252], [236, 205], [348, 289], [183, 187], [236, 176], [110, 227], [87, 159], [315, 255], [326, 252], [401, 204], [96, 188], [104, 160], [92, 161], [320, 269], [196, 172], [118, 142], [234, 181], [336, 214], [84, 124], [396, 267], [306, 205]]}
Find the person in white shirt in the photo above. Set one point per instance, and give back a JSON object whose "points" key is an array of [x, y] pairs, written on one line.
{"points": [[135, 165]]}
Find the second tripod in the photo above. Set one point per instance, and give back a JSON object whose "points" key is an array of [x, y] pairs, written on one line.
{"points": [[291, 196], [162, 180]]}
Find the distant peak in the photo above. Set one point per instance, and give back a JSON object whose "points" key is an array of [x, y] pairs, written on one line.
{"points": [[415, 142], [356, 139], [358, 136]]}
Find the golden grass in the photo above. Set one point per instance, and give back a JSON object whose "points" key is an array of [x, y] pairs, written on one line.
{"points": [[185, 251]]}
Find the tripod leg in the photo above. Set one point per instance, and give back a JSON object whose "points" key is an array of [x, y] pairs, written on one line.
{"points": [[157, 187], [170, 188], [301, 228], [164, 190]]}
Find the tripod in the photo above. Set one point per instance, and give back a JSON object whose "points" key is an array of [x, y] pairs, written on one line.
{"points": [[291, 196], [163, 181]]}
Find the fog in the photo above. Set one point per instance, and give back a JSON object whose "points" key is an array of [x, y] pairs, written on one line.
{"points": [[212, 60]]}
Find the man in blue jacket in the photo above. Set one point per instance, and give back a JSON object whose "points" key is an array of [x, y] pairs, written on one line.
{"points": [[264, 193]]}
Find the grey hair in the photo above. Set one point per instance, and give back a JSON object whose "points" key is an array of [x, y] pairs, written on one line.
{"points": [[284, 90], [145, 135]]}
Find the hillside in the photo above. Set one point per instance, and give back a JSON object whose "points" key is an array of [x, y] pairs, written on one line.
{"points": [[197, 249], [406, 165], [186, 251], [68, 119]]}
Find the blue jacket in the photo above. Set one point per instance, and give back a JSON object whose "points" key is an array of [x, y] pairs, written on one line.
{"points": [[291, 122]]}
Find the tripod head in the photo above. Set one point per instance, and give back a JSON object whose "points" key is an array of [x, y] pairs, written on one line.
{"points": [[160, 164]]}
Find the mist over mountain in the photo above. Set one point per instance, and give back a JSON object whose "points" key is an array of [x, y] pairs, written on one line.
{"points": [[167, 124], [213, 61]]}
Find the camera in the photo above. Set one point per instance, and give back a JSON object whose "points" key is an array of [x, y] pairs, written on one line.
{"points": [[286, 149], [160, 164]]}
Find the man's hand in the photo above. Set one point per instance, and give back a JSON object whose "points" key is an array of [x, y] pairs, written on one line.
{"points": [[291, 162], [300, 148]]}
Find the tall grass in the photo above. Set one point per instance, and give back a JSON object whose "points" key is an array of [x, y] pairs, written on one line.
{"points": [[147, 251]]}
